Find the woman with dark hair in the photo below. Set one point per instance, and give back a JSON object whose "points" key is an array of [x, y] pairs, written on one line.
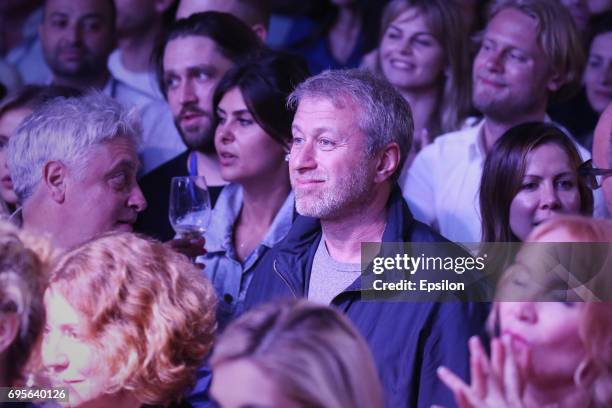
{"points": [[530, 175], [252, 139]]}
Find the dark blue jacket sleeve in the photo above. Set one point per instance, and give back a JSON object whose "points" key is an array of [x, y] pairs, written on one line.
{"points": [[448, 346]]}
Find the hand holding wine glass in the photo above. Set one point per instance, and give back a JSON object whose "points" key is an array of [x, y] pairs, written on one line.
{"points": [[189, 212]]}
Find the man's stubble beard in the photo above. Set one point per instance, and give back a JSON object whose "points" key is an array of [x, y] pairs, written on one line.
{"points": [[203, 143], [339, 200]]}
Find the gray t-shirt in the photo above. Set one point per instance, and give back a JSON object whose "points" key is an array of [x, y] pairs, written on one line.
{"points": [[329, 277]]}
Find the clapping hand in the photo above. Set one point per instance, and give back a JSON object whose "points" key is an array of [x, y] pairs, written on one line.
{"points": [[496, 383]]}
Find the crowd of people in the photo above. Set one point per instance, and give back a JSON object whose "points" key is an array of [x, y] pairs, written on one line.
{"points": [[327, 133]]}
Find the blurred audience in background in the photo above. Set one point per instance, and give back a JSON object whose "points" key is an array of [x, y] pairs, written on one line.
{"points": [[73, 167], [599, 6], [77, 37], [10, 81], [20, 42], [191, 59], [254, 13], [294, 354], [129, 321], [252, 138], [579, 10], [580, 114], [13, 110], [340, 37], [139, 24]]}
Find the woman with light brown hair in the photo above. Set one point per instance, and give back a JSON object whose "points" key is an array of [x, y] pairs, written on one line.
{"points": [[294, 354], [423, 53], [128, 323]]}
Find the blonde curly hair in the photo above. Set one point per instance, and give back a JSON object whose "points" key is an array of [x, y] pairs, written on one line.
{"points": [[150, 312]]}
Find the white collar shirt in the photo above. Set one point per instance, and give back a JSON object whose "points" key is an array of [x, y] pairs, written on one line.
{"points": [[442, 185]]}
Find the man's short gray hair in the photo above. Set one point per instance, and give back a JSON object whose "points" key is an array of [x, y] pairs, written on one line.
{"points": [[383, 116], [64, 129]]}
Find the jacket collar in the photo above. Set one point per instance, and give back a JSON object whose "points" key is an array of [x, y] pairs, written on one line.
{"points": [[296, 253]]}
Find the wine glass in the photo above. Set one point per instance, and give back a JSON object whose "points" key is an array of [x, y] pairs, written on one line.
{"points": [[190, 209]]}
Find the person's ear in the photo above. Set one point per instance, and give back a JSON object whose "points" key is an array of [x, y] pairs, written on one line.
{"points": [[261, 31], [585, 374], [555, 81], [388, 162], [9, 326], [54, 179], [161, 6]]}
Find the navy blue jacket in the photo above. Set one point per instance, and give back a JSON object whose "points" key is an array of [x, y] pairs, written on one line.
{"points": [[409, 340]]}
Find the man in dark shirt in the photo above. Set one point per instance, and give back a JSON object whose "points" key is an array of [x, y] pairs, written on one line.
{"points": [[191, 59]]}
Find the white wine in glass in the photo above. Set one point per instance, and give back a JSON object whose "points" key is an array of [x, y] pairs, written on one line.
{"points": [[190, 208]]}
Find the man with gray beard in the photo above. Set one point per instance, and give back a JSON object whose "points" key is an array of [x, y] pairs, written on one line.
{"points": [[351, 134]]}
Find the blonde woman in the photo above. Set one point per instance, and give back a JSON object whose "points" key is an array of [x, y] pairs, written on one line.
{"points": [[550, 353], [423, 53], [128, 323], [294, 354]]}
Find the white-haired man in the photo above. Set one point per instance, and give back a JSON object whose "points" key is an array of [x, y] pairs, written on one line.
{"points": [[73, 163]]}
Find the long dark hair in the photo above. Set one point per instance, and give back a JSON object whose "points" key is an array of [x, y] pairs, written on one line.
{"points": [[503, 173], [265, 81]]}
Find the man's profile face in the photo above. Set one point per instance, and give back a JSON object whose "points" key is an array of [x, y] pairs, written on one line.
{"points": [[193, 66], [330, 172], [602, 153], [77, 36], [103, 195], [511, 73]]}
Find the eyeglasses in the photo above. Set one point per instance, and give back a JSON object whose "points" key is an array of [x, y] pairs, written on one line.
{"points": [[592, 175]]}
